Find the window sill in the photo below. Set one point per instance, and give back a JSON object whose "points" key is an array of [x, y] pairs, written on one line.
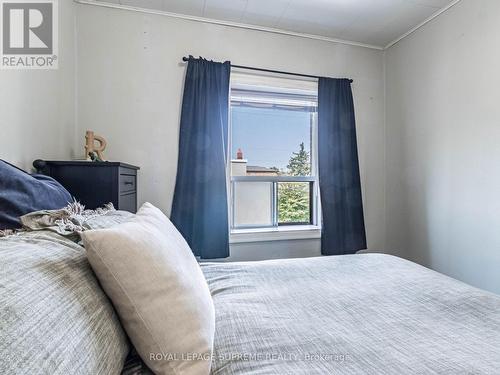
{"points": [[292, 232]]}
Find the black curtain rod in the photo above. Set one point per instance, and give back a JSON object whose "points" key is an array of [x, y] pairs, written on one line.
{"points": [[269, 70]]}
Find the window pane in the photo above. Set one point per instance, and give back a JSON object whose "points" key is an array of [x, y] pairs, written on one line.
{"points": [[294, 202], [271, 141], [252, 204]]}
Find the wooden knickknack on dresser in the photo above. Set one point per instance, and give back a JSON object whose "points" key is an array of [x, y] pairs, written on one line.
{"points": [[94, 184]]}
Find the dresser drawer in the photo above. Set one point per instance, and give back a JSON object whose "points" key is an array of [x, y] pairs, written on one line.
{"points": [[127, 183], [128, 202]]}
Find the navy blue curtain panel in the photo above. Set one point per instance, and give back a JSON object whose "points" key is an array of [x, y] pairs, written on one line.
{"points": [[199, 209], [343, 227]]}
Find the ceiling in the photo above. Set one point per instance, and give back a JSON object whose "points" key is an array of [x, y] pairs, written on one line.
{"points": [[372, 22]]}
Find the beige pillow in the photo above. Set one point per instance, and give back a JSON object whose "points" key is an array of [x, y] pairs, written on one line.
{"points": [[148, 270]]}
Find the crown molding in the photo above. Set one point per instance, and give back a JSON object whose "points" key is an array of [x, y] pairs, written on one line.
{"points": [[427, 20], [263, 28], [227, 23]]}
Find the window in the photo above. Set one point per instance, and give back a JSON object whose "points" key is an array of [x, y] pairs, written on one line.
{"points": [[273, 143]]}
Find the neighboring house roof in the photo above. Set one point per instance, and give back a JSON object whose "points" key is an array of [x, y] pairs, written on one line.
{"points": [[258, 169]]}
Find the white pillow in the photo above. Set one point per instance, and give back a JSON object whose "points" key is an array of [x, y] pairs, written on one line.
{"points": [[151, 275]]}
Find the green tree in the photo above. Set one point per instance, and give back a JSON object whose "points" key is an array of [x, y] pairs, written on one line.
{"points": [[299, 163], [293, 197]]}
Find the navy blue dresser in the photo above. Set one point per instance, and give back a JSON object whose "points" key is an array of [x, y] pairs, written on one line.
{"points": [[95, 183]]}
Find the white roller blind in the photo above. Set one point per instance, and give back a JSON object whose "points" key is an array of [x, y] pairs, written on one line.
{"points": [[273, 83], [265, 89]]}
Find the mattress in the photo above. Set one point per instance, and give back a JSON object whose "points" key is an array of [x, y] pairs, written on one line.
{"points": [[351, 314]]}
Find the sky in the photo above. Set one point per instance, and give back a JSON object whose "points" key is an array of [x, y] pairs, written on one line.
{"points": [[268, 136]]}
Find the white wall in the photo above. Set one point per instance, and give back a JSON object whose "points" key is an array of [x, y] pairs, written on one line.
{"points": [[274, 250], [443, 144], [37, 106], [130, 81]]}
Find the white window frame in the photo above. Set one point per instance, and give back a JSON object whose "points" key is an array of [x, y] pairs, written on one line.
{"points": [[276, 232]]}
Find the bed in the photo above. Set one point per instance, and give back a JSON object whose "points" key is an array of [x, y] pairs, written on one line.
{"points": [[352, 314]]}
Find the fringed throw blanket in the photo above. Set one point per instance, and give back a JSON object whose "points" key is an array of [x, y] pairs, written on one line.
{"points": [[70, 220]]}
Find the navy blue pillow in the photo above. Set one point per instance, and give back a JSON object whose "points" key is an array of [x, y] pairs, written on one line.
{"points": [[22, 193]]}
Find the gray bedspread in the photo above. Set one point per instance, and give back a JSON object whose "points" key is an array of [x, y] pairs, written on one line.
{"points": [[352, 314], [54, 317]]}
